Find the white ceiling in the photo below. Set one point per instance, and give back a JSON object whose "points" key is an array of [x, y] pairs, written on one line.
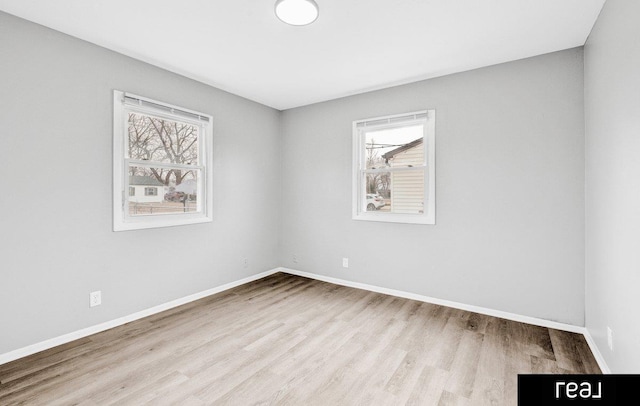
{"points": [[355, 45]]}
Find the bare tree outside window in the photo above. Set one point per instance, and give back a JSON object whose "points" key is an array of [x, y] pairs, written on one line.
{"points": [[163, 141], [378, 183]]}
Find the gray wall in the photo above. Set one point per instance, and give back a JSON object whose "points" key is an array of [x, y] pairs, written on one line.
{"points": [[510, 204], [612, 110], [55, 206], [510, 191]]}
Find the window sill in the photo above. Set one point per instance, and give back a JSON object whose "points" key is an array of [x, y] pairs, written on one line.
{"points": [[146, 223], [396, 218]]}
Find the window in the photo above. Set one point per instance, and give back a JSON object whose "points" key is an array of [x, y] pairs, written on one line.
{"points": [[151, 191], [166, 151], [394, 168]]}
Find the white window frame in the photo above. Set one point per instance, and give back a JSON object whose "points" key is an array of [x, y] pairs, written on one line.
{"points": [[123, 104], [360, 128]]}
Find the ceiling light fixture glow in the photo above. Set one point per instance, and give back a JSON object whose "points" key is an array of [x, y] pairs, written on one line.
{"points": [[297, 12]]}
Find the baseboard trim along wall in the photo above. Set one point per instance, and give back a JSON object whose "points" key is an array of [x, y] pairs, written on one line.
{"points": [[596, 352], [476, 309], [63, 339], [66, 338]]}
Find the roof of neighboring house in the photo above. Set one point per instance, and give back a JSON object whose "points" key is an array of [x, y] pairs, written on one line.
{"points": [[144, 181], [405, 147]]}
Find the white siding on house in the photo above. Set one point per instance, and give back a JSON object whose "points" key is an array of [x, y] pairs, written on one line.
{"points": [[140, 197], [407, 187]]}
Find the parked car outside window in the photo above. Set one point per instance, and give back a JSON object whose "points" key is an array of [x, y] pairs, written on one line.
{"points": [[374, 201]]}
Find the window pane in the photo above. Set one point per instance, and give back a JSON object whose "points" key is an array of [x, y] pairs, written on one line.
{"points": [[395, 191], [161, 140], [395, 147], [162, 191]]}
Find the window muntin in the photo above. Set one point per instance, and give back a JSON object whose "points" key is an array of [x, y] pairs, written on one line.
{"points": [[394, 159], [162, 153]]}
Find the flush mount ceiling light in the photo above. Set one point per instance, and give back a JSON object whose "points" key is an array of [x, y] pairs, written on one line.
{"points": [[297, 12]]}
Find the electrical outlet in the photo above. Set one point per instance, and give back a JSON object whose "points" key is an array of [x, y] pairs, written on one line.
{"points": [[296, 258], [610, 338], [95, 298], [245, 262], [345, 262]]}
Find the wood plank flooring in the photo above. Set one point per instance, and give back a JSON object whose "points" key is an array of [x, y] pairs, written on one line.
{"points": [[288, 340]]}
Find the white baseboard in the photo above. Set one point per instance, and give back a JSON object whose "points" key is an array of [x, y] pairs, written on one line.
{"points": [[63, 339], [476, 309], [596, 352]]}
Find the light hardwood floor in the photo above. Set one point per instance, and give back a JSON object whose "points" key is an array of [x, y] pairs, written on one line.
{"points": [[288, 340]]}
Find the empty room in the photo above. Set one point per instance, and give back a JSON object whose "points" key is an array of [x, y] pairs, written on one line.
{"points": [[320, 202]]}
